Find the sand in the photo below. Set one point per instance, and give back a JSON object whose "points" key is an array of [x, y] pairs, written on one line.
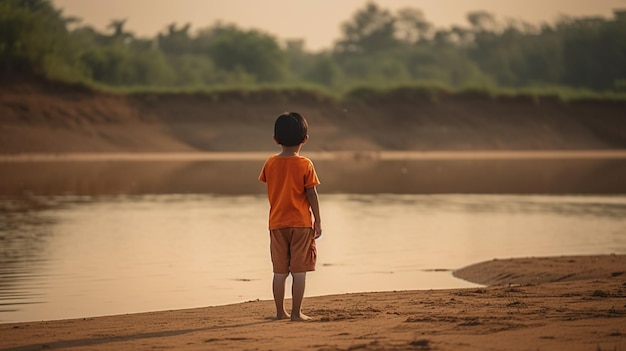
{"points": [[558, 303]]}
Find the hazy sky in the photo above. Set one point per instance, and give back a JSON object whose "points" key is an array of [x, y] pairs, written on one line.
{"points": [[316, 21]]}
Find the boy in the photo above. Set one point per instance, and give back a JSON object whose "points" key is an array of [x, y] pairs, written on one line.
{"points": [[291, 190]]}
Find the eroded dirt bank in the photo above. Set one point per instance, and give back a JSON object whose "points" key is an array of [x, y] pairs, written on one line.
{"points": [[59, 118]]}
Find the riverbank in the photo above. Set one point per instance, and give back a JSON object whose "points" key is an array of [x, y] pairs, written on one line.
{"points": [[558, 303], [58, 118]]}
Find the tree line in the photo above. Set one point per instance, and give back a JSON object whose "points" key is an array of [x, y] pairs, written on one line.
{"points": [[377, 47]]}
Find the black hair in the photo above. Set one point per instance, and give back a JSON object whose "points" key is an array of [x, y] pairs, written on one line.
{"points": [[290, 129]]}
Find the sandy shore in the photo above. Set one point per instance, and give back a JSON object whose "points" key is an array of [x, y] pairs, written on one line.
{"points": [[560, 303]]}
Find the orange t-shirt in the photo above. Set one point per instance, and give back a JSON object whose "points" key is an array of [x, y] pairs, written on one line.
{"points": [[287, 177]]}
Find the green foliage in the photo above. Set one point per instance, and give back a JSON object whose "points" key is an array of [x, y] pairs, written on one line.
{"points": [[377, 49], [176, 41], [425, 93], [371, 30], [33, 36], [325, 71], [193, 70], [249, 51], [594, 52]]}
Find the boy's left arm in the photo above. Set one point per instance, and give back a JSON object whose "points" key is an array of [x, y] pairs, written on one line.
{"points": [[311, 194]]}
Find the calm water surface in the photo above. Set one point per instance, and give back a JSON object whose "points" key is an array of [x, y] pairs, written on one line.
{"points": [[81, 256]]}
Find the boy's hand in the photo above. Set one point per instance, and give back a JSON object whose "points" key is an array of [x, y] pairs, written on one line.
{"points": [[318, 229]]}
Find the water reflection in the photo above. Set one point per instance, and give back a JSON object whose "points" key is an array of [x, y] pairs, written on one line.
{"points": [[570, 205], [484, 176], [23, 240], [69, 256]]}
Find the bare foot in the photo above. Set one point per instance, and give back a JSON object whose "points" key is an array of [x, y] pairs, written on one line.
{"points": [[283, 315], [301, 317]]}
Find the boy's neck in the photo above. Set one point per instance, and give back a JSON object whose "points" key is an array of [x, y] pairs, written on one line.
{"points": [[290, 150]]}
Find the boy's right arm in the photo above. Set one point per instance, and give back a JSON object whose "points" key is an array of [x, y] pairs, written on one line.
{"points": [[311, 194]]}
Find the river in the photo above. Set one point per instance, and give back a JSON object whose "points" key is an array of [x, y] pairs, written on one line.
{"points": [[83, 238]]}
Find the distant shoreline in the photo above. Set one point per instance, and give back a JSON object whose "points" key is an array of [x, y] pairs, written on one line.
{"points": [[316, 155], [59, 119]]}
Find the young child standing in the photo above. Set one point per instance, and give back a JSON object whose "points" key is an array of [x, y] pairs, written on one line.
{"points": [[291, 189]]}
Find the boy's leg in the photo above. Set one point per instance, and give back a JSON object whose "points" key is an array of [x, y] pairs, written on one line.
{"points": [[278, 288], [297, 292], [279, 249]]}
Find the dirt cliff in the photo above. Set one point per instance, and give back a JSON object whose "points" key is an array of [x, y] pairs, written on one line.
{"points": [[56, 118]]}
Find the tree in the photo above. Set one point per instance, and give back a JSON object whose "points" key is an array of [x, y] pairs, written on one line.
{"points": [[194, 70], [594, 52], [299, 62], [251, 51], [376, 47], [412, 26], [371, 30], [176, 41], [482, 21], [34, 38], [324, 71], [120, 35]]}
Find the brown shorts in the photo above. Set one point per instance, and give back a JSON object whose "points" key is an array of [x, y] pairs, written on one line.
{"points": [[293, 250]]}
